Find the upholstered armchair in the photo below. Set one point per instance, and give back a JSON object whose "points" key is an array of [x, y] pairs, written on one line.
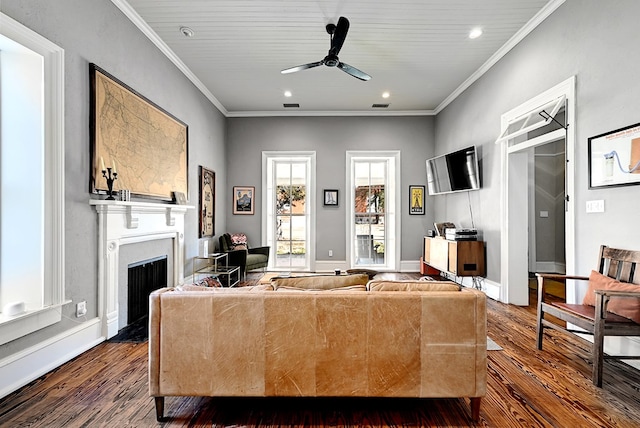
{"points": [[241, 254]]}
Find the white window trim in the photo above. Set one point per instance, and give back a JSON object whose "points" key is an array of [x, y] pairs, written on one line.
{"points": [[554, 107], [392, 205], [268, 158], [54, 203]]}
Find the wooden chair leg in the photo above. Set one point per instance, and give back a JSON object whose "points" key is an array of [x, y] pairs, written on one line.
{"points": [[159, 408], [475, 408], [598, 341], [540, 328]]}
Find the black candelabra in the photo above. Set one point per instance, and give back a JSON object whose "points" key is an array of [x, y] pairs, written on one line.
{"points": [[110, 177]]}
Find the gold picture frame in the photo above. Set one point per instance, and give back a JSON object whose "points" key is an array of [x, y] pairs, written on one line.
{"points": [[147, 143]]}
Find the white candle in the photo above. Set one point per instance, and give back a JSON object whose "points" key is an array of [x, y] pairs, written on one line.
{"points": [[114, 166], [102, 163]]}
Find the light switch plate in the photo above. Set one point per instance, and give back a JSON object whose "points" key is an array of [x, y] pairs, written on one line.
{"points": [[595, 206]]}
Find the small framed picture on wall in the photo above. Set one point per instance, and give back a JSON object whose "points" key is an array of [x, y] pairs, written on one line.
{"points": [[243, 199], [331, 197], [207, 202], [416, 200]]}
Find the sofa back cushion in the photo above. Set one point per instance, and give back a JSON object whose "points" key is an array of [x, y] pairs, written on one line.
{"points": [[320, 282], [219, 290], [382, 285], [345, 288]]}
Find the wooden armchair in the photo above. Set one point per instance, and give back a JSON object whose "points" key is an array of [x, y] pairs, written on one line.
{"points": [[617, 287]]}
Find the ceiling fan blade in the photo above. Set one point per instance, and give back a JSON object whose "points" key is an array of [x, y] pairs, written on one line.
{"points": [[353, 71], [302, 67], [339, 35]]}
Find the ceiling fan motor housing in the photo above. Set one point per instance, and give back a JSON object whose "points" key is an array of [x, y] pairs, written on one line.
{"points": [[331, 60]]}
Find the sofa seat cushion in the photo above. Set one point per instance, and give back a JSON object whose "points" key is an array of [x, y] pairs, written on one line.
{"points": [[382, 285], [320, 282], [256, 259]]}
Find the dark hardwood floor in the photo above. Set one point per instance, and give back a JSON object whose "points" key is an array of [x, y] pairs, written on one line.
{"points": [[107, 387]]}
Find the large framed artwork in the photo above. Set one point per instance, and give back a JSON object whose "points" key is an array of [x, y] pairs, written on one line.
{"points": [[148, 144], [207, 202], [416, 200], [614, 158], [243, 199]]}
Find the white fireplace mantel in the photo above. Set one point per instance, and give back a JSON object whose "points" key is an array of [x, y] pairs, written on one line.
{"points": [[121, 223]]}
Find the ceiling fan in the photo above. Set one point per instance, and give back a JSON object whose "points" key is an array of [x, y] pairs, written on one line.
{"points": [[338, 33]]}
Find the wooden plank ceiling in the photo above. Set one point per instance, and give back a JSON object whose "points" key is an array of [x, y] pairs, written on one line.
{"points": [[417, 50]]}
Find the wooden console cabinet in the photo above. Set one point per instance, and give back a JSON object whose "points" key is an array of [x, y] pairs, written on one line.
{"points": [[461, 258]]}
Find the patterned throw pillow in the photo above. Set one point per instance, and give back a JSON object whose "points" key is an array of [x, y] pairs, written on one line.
{"points": [[238, 241], [210, 281]]}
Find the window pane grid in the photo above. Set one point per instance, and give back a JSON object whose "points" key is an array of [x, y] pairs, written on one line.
{"points": [[291, 214]]}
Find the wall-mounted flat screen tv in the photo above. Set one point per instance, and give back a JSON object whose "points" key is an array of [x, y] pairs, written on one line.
{"points": [[453, 172]]}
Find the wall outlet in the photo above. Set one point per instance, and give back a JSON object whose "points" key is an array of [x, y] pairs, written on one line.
{"points": [[81, 309], [330, 253]]}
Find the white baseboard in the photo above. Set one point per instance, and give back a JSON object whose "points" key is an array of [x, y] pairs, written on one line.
{"points": [[551, 267], [491, 289], [410, 266], [19, 369], [331, 266]]}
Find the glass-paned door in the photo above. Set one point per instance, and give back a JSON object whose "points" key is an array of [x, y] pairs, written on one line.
{"points": [[370, 238], [291, 214]]}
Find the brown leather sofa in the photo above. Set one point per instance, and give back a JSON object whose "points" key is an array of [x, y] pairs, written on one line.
{"points": [[290, 339]]}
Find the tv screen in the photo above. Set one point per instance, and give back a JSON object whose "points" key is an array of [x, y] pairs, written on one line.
{"points": [[453, 172]]}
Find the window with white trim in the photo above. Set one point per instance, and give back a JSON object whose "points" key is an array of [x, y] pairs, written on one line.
{"points": [[373, 209], [289, 201], [31, 181]]}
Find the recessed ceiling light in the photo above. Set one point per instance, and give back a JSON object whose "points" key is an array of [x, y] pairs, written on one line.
{"points": [[475, 33], [287, 94], [186, 31], [386, 95]]}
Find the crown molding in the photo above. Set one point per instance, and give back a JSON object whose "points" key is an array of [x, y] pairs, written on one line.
{"points": [[137, 20], [324, 113], [544, 13]]}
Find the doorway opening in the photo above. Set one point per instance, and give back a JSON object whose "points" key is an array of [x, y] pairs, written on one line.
{"points": [[543, 125]]}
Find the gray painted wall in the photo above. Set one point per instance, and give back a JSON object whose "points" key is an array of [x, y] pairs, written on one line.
{"points": [[594, 41], [96, 31], [331, 137]]}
